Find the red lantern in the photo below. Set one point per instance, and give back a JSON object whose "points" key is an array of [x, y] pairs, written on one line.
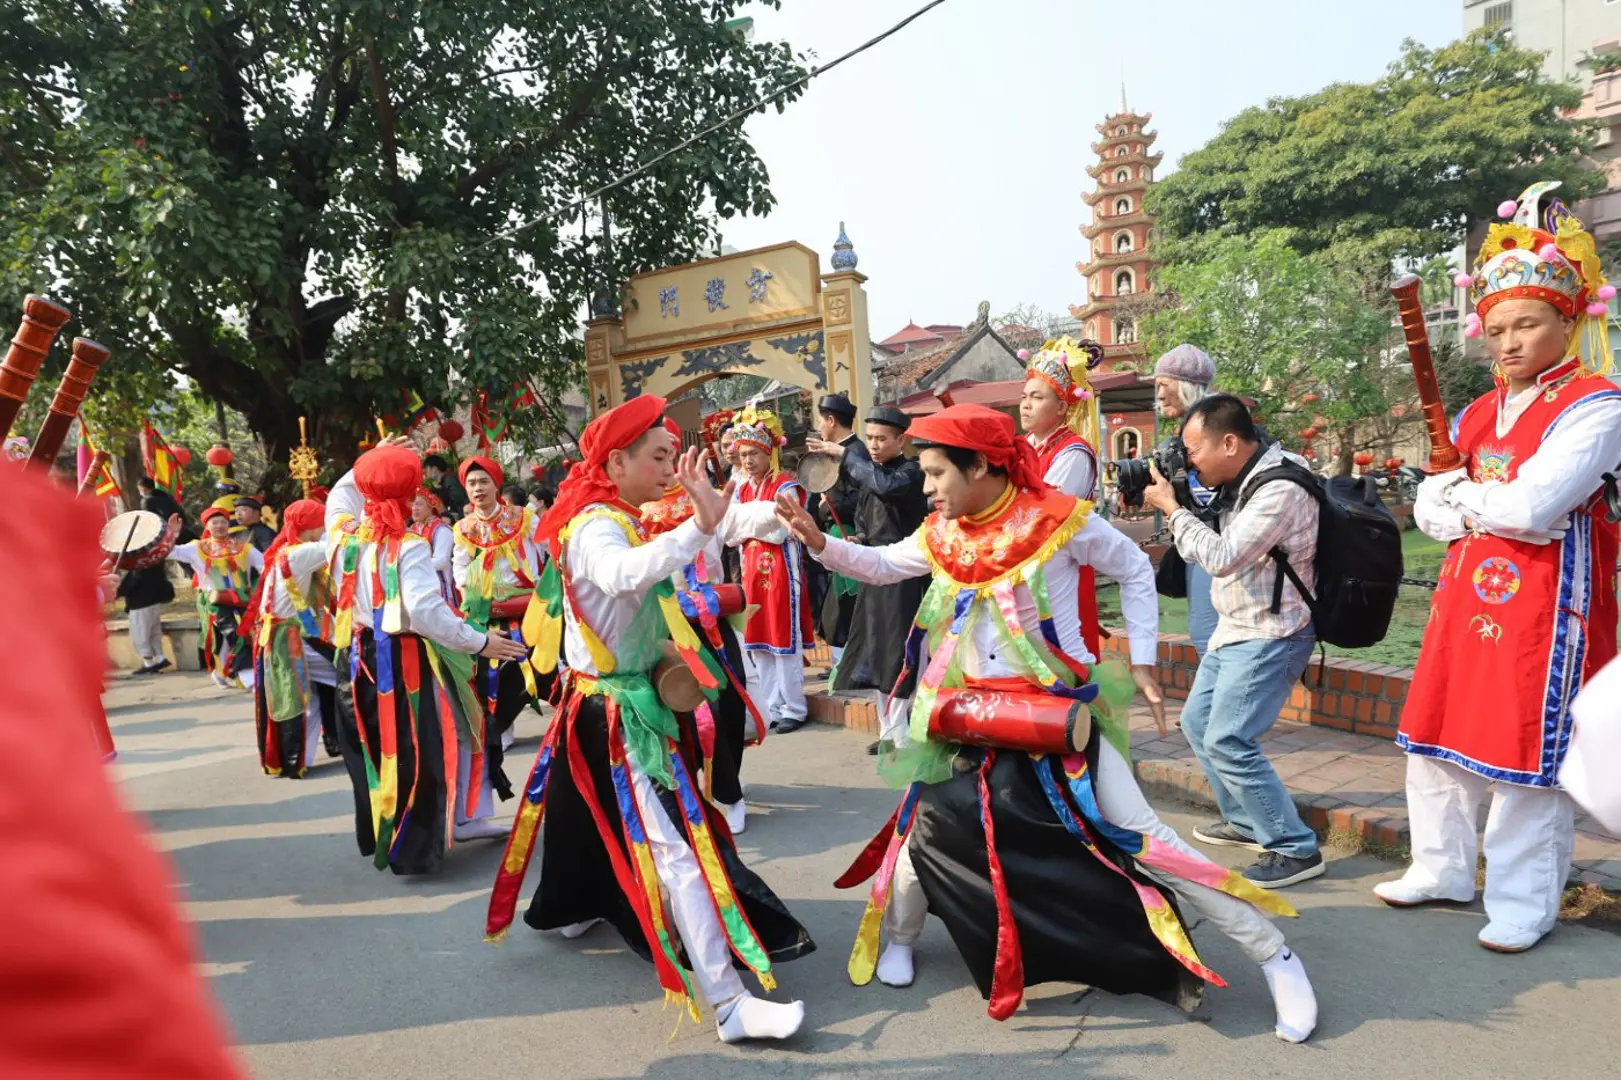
{"points": [[1309, 434], [219, 455], [1363, 458], [451, 431], [1309, 454], [1309, 398], [1393, 463], [538, 471], [182, 455]]}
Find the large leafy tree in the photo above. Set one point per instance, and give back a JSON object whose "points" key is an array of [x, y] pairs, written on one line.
{"points": [[1297, 335], [308, 206], [1366, 173]]}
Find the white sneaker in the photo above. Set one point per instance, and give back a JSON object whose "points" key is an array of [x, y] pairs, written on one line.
{"points": [[736, 814], [480, 829], [507, 739], [895, 966], [1400, 894], [247, 678], [749, 1017], [1503, 938], [220, 680], [579, 929]]}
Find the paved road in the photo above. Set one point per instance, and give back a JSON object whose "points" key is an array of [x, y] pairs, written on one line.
{"points": [[328, 968]]}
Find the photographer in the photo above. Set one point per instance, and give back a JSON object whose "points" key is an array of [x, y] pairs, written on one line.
{"points": [[1255, 654], [1182, 378]]}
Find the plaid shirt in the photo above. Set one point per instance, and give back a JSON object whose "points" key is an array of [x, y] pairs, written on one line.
{"points": [[1243, 573]]}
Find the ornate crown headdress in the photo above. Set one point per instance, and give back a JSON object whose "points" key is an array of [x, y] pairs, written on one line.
{"points": [[1556, 263], [1066, 365], [760, 427]]}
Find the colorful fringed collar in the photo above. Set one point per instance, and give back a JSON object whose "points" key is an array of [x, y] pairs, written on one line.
{"points": [[507, 524], [1020, 528], [667, 513]]}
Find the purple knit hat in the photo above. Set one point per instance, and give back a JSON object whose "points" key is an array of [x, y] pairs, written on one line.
{"points": [[1188, 363]]}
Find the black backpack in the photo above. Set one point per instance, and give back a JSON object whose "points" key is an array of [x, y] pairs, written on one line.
{"points": [[1359, 558]]}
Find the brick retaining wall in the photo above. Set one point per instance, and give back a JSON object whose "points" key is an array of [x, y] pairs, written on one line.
{"points": [[1352, 695]]}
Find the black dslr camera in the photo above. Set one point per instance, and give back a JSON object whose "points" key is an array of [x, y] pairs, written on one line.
{"points": [[1132, 476]]}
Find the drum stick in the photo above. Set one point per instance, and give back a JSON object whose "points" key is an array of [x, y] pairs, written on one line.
{"points": [[128, 537]]}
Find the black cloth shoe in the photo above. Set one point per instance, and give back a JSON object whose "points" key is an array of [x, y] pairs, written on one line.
{"points": [[1275, 870], [163, 662], [1225, 834], [145, 669], [783, 727], [872, 748]]}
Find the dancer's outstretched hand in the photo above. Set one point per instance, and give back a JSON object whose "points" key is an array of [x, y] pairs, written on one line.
{"points": [[1146, 676], [708, 505], [797, 521]]}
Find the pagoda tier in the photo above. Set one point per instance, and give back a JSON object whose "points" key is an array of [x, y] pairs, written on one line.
{"points": [[1106, 147], [1130, 119], [1106, 223], [1101, 170]]}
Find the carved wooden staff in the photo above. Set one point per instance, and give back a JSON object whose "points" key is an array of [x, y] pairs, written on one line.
{"points": [[42, 319], [1443, 455], [87, 357]]}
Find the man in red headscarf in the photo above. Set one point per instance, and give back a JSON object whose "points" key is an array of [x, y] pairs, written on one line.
{"points": [[413, 735], [495, 566], [658, 851], [1016, 725], [288, 619], [225, 569]]}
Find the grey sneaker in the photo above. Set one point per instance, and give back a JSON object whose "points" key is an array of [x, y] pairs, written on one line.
{"points": [[1275, 870], [1224, 834]]}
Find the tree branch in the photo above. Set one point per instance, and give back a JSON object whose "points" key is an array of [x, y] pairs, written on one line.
{"points": [[579, 108]]}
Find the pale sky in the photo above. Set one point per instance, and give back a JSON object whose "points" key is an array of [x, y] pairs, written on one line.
{"points": [[956, 151]]}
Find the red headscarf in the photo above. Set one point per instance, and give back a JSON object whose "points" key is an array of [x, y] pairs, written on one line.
{"points": [[485, 464], [389, 477], [214, 512], [975, 427], [587, 482], [435, 503]]}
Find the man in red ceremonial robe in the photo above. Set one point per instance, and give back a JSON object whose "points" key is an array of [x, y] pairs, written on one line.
{"points": [[773, 580], [1058, 410], [1525, 609]]}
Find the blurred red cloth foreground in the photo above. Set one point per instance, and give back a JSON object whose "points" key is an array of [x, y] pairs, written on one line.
{"points": [[96, 977]]}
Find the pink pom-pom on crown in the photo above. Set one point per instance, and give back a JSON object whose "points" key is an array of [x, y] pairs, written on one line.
{"points": [[1086, 395], [1463, 279], [1471, 325], [1024, 354], [1548, 252], [1507, 208], [1597, 307], [1606, 292]]}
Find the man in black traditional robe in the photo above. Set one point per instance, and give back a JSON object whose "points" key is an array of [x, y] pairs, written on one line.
{"points": [[833, 599], [891, 507]]}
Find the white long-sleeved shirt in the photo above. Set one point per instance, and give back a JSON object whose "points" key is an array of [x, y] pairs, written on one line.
{"points": [[1567, 468], [610, 576], [1074, 472], [426, 612], [506, 578], [1098, 544], [303, 560], [192, 558]]}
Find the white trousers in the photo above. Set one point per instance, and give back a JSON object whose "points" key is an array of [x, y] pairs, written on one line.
{"points": [[1530, 838], [894, 716], [777, 684], [1123, 804], [317, 669], [464, 781], [146, 632], [686, 896]]}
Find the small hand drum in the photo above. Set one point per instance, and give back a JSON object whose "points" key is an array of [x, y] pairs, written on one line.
{"points": [[818, 472], [677, 686], [136, 539]]}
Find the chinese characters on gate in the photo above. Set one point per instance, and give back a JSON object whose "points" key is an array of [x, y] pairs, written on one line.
{"points": [[715, 294]]}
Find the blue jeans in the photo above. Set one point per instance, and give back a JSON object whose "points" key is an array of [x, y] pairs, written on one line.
{"points": [[1235, 699], [1201, 612]]}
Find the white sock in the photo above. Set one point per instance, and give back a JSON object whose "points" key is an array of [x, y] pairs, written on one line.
{"points": [[749, 1017], [1292, 995], [579, 929], [246, 675], [895, 966]]}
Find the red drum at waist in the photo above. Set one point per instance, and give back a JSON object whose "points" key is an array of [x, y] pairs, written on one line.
{"points": [[1033, 722]]}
